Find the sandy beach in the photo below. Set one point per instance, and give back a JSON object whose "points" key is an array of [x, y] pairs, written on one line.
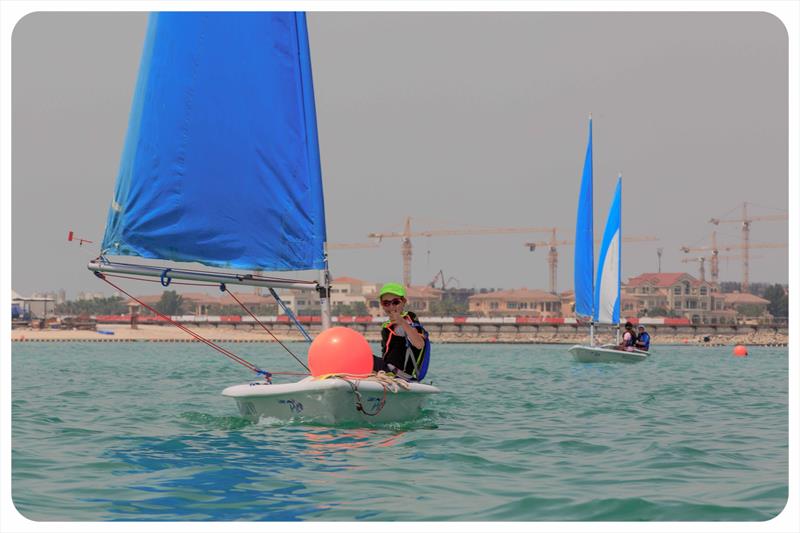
{"points": [[158, 333]]}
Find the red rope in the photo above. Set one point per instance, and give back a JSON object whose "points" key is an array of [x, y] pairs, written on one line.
{"points": [[265, 328], [198, 337]]}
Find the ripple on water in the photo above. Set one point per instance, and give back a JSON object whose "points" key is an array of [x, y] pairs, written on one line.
{"points": [[519, 433]]}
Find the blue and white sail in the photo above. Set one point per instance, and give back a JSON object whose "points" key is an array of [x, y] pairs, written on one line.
{"points": [[221, 160], [607, 287], [584, 239]]}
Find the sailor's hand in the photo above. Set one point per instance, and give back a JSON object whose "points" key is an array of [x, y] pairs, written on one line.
{"points": [[394, 316]]}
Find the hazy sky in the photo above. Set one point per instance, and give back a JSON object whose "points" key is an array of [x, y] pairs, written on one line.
{"points": [[453, 119]]}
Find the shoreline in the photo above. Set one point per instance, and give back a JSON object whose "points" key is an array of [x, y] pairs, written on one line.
{"points": [[157, 333]]}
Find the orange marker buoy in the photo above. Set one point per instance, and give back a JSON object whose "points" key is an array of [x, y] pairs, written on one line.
{"points": [[340, 350], [740, 351]]}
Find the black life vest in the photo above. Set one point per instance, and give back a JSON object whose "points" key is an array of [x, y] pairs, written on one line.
{"points": [[399, 352]]}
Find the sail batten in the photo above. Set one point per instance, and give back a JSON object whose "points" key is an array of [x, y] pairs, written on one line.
{"points": [[221, 161]]}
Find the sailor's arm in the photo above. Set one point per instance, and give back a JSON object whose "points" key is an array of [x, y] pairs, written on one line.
{"points": [[414, 337]]}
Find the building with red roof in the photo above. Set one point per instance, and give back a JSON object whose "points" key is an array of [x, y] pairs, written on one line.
{"points": [[515, 302], [683, 294]]}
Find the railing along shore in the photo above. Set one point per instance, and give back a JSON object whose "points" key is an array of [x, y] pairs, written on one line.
{"points": [[517, 330]]}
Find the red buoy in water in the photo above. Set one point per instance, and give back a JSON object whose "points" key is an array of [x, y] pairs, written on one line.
{"points": [[340, 350], [740, 351]]}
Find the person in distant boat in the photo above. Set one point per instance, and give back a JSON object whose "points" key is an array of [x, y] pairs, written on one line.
{"points": [[404, 342], [642, 340], [628, 338]]}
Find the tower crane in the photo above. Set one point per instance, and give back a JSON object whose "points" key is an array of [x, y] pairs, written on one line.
{"points": [[714, 255], [745, 247], [552, 254], [745, 221], [406, 235], [351, 245], [715, 259]]}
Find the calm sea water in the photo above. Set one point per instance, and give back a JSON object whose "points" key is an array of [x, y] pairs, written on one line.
{"points": [[139, 431]]}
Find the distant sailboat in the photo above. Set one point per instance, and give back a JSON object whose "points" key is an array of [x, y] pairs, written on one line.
{"points": [[221, 167], [599, 300]]}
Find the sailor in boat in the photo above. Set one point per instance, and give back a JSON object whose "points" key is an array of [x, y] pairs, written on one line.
{"points": [[628, 338], [642, 340], [405, 347]]}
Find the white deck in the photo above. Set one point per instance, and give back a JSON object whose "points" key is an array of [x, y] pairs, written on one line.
{"points": [[329, 401], [606, 354]]}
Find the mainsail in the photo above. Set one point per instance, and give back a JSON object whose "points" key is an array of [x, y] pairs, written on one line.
{"points": [[221, 160], [584, 239], [607, 288]]}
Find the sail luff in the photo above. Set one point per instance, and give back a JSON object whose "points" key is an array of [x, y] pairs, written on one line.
{"points": [[607, 287], [319, 236], [584, 239]]}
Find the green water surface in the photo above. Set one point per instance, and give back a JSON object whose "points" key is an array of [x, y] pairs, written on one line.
{"points": [[139, 431]]}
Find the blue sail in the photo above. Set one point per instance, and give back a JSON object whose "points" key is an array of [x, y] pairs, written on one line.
{"points": [[607, 287], [221, 160], [584, 239]]}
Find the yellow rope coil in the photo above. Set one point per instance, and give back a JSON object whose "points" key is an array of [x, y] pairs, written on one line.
{"points": [[389, 380]]}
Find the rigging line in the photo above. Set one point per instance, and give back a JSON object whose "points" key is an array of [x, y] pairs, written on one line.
{"points": [[290, 314], [266, 329], [202, 339], [359, 400], [729, 212], [782, 211]]}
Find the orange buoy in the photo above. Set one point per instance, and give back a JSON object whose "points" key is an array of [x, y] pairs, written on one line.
{"points": [[340, 350], [740, 351]]}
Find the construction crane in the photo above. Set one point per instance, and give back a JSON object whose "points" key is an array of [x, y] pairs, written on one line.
{"points": [[351, 245], [552, 253], [714, 255], [714, 259], [406, 235], [440, 277], [745, 221], [714, 249]]}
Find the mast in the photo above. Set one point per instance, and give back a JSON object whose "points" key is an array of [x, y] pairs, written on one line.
{"points": [[406, 246], [324, 290]]}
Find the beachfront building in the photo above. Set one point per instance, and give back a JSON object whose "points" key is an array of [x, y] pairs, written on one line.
{"points": [[420, 299], [36, 306], [349, 293], [747, 308], [677, 294], [199, 304], [515, 302]]}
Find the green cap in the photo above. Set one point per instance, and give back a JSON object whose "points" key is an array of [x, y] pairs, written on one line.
{"points": [[393, 288]]}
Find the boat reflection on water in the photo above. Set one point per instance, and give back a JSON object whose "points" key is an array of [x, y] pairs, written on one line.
{"points": [[327, 441]]}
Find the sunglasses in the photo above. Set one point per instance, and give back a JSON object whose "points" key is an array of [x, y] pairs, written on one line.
{"points": [[387, 303]]}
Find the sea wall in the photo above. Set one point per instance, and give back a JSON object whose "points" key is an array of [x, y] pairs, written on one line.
{"points": [[447, 333]]}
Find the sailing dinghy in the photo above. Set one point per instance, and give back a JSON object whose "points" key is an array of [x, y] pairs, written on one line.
{"points": [[221, 168], [599, 299]]}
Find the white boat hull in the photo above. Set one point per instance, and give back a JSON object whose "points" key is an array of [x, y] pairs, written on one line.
{"points": [[329, 401], [606, 354]]}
